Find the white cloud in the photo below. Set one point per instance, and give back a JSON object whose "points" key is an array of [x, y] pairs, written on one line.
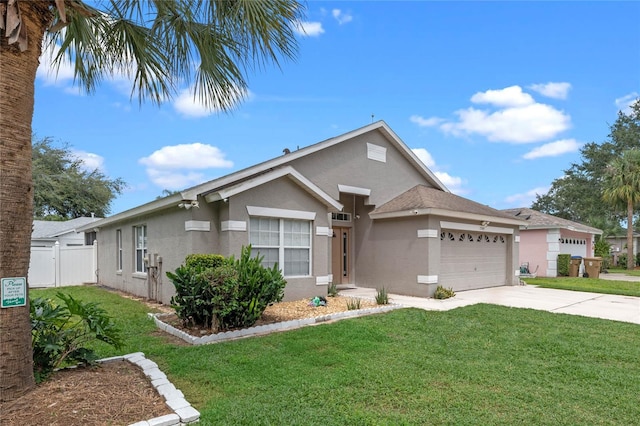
{"points": [[624, 103], [308, 29], [341, 17], [188, 105], [173, 180], [46, 71], [526, 198], [525, 124], [453, 183], [552, 90], [90, 161], [426, 122], [553, 149], [513, 116], [187, 156], [172, 167], [508, 97]]}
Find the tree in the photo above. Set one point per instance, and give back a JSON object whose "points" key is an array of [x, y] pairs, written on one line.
{"points": [[159, 45], [577, 195], [63, 189], [622, 189]]}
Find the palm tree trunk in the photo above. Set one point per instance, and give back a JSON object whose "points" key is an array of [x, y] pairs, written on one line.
{"points": [[631, 259], [17, 81]]}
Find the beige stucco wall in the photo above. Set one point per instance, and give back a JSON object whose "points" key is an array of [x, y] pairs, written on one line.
{"points": [[347, 164]]}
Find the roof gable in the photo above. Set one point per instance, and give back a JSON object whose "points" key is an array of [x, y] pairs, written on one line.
{"points": [[287, 171], [253, 172]]}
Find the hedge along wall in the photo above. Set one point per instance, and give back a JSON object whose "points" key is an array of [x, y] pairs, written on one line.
{"points": [[564, 261]]}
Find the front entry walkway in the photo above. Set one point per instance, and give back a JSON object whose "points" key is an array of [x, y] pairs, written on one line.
{"points": [[605, 306]]}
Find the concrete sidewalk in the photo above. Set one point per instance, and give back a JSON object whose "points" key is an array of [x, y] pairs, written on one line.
{"points": [[606, 306]]}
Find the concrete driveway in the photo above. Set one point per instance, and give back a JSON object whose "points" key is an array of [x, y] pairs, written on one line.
{"points": [[606, 306]]}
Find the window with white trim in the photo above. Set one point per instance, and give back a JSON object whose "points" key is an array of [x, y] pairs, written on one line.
{"points": [[119, 249], [286, 242], [140, 233]]}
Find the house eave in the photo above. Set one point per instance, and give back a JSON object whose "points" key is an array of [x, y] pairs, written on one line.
{"points": [[446, 213]]}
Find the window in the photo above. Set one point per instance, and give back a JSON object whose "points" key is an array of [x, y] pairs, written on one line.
{"points": [[119, 249], [89, 238], [286, 242], [140, 233]]}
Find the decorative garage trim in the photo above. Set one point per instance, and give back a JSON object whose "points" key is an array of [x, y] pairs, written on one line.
{"points": [[517, 238], [427, 233], [324, 231], [354, 190], [197, 225], [280, 213], [323, 280], [427, 279], [233, 225], [376, 152], [473, 227]]}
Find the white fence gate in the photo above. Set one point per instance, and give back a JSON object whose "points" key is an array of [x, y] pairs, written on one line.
{"points": [[63, 266]]}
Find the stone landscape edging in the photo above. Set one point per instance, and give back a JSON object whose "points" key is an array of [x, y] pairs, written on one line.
{"points": [[266, 328], [183, 412]]}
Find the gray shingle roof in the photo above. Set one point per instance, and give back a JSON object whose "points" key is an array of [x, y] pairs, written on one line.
{"points": [[51, 229], [422, 197], [540, 220]]}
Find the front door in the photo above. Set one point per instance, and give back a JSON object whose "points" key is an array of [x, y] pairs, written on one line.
{"points": [[340, 258]]}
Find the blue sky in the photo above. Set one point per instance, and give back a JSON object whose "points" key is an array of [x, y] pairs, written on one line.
{"points": [[495, 97]]}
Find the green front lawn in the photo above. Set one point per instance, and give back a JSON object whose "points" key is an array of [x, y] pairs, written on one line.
{"points": [[479, 364], [594, 285]]}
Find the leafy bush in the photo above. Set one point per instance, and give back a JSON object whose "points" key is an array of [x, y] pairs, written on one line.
{"points": [[233, 294], [204, 260], [564, 261], [443, 293], [622, 261], [332, 290], [382, 298], [353, 304], [60, 332]]}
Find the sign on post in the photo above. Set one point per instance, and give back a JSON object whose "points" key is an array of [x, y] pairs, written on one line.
{"points": [[13, 292]]}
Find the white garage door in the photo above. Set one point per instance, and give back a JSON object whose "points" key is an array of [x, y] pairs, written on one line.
{"points": [[472, 260]]}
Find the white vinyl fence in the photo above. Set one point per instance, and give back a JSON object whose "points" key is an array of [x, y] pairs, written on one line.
{"points": [[63, 266]]}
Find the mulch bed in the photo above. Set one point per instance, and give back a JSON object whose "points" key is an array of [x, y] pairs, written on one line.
{"points": [[113, 393]]}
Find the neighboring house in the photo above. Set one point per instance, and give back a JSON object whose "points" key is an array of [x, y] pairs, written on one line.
{"points": [[544, 237], [618, 245], [61, 254], [357, 209], [47, 232]]}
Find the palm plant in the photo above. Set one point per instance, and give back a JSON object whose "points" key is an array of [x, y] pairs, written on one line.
{"points": [[622, 188], [160, 46]]}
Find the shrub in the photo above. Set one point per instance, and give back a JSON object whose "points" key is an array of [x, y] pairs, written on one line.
{"points": [[192, 300], [353, 304], [563, 265], [204, 260], [622, 261], [332, 290], [382, 298], [60, 332], [231, 295], [443, 293]]}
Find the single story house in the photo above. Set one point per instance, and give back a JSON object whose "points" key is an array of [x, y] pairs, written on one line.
{"points": [[543, 237], [618, 245], [48, 232], [357, 209]]}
